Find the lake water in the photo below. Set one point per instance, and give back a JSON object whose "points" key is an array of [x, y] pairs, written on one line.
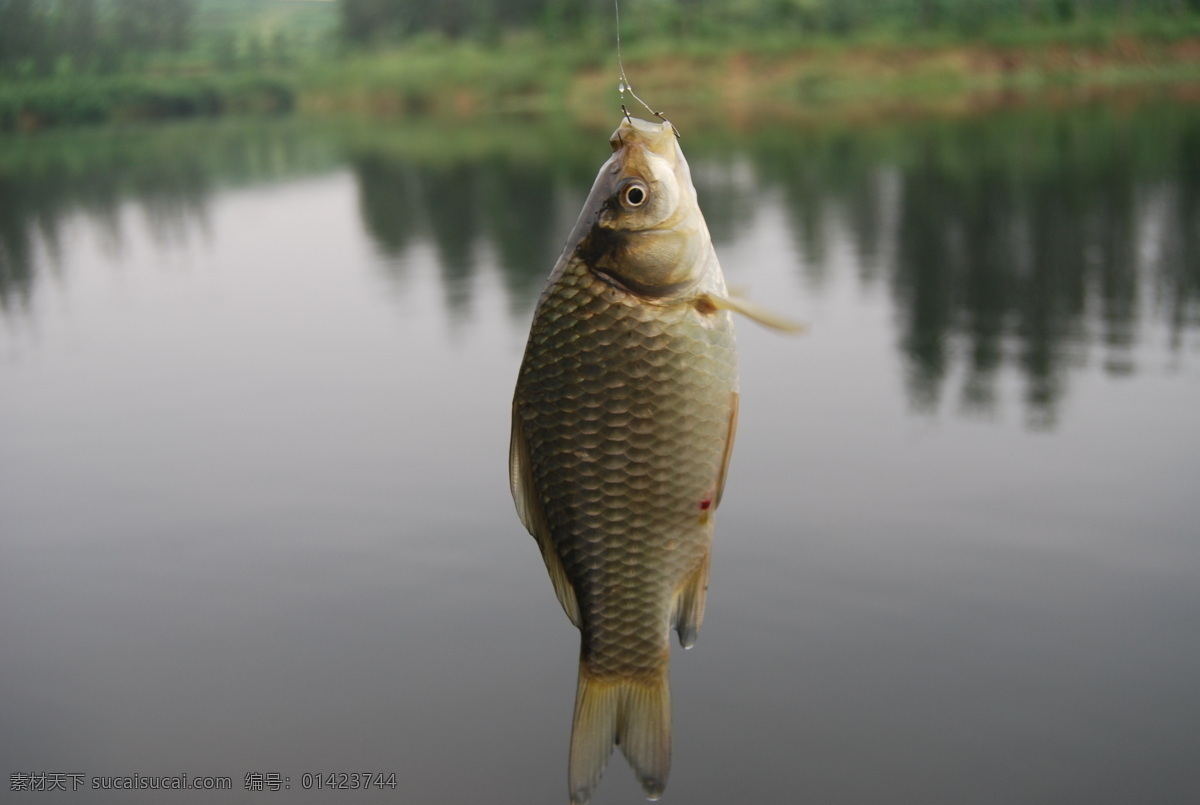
{"points": [[254, 517]]}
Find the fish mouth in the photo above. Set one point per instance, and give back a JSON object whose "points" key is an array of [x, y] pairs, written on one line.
{"points": [[633, 132]]}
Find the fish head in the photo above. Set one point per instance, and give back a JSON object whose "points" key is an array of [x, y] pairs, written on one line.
{"points": [[641, 226]]}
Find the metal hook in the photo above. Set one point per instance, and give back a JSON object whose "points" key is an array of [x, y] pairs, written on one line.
{"points": [[674, 128]]}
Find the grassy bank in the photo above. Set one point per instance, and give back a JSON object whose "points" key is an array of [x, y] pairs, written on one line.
{"points": [[32, 105], [773, 74]]}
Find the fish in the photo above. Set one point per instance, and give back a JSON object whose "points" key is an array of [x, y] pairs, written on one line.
{"points": [[623, 424]]}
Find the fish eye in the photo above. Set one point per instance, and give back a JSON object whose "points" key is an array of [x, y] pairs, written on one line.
{"points": [[634, 195]]}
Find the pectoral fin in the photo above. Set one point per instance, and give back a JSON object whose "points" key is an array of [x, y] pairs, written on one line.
{"points": [[765, 317], [529, 509]]}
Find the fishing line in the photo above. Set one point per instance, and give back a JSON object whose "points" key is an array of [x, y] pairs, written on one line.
{"points": [[624, 81]]}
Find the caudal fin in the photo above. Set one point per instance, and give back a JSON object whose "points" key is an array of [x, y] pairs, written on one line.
{"points": [[634, 713]]}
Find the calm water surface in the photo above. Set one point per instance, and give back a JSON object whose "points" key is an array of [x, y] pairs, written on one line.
{"points": [[254, 519]]}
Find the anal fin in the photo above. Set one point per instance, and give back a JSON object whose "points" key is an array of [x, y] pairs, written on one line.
{"points": [[688, 612]]}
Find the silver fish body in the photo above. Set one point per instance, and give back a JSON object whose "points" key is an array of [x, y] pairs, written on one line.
{"points": [[623, 422]]}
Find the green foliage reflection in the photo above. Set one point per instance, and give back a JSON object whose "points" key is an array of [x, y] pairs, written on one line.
{"points": [[1027, 242]]}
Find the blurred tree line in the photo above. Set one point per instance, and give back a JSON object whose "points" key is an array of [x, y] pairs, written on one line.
{"points": [[63, 37], [41, 37], [88, 37], [374, 21]]}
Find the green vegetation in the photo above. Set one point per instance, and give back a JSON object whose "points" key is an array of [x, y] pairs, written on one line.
{"points": [[65, 62], [97, 99], [43, 38], [85, 61]]}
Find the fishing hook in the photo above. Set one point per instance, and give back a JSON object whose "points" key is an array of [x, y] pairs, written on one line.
{"points": [[674, 128]]}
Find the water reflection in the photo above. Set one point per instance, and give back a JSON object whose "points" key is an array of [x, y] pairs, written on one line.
{"points": [[517, 207], [258, 504], [1022, 239], [1029, 240], [1178, 262], [169, 173]]}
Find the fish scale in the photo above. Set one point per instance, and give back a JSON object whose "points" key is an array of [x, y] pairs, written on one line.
{"points": [[649, 406], [623, 421]]}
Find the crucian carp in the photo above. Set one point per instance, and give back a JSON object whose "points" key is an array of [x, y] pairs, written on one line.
{"points": [[623, 423]]}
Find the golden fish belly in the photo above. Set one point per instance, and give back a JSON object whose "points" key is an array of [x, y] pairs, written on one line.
{"points": [[626, 408]]}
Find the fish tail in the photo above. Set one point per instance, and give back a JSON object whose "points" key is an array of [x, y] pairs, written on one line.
{"points": [[633, 712]]}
